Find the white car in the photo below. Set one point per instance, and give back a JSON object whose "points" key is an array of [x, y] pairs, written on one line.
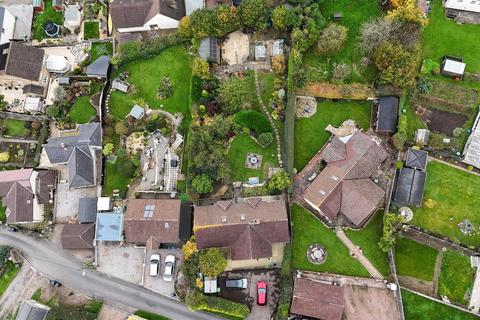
{"points": [[169, 267], [154, 264]]}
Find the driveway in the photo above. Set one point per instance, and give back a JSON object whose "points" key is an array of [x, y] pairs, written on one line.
{"points": [[157, 284], [123, 262], [249, 295]]}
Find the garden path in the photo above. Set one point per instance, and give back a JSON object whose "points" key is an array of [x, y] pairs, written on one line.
{"points": [[272, 123], [354, 250], [474, 304], [436, 271]]}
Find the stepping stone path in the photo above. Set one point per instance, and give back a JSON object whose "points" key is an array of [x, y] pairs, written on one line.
{"points": [[270, 119]]}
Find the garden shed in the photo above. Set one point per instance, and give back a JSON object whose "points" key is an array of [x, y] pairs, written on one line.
{"points": [[209, 50], [416, 159], [120, 85], [453, 67], [73, 17], [99, 68], [409, 187], [387, 115], [137, 112]]}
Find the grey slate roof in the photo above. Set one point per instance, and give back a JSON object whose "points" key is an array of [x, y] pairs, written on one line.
{"points": [[32, 310], [416, 159], [409, 187], [87, 210], [81, 168], [24, 61], [388, 114], [99, 67]]}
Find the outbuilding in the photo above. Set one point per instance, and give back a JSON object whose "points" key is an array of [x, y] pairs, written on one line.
{"points": [[453, 67], [387, 115]]}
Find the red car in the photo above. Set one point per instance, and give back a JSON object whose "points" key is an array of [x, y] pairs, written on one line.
{"points": [[262, 292]]}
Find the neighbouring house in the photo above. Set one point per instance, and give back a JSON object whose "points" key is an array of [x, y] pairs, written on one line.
{"points": [[8, 27], [209, 50], [87, 210], [464, 11], [143, 15], [32, 310], [109, 227], [99, 68], [58, 5], [318, 300], [120, 85], [471, 152], [78, 152], [77, 236], [23, 12], [26, 65], [136, 112], [386, 115], [156, 222], [344, 187], [38, 6], [33, 105], [25, 193], [453, 67], [253, 231], [72, 17], [410, 182]]}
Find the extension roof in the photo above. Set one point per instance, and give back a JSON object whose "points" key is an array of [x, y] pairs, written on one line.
{"points": [[99, 67], [24, 61], [416, 159], [87, 210], [409, 187], [109, 226], [387, 114], [32, 310], [78, 236]]}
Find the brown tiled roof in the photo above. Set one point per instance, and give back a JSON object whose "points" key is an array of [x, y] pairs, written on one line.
{"points": [[317, 300], [162, 226], [210, 4], [343, 186], [46, 182], [25, 62], [78, 236], [19, 203], [249, 230]]}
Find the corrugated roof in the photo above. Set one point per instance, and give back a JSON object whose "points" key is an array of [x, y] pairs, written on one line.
{"points": [[32, 310]]}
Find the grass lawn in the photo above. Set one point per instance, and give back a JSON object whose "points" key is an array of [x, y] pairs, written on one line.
{"points": [[354, 14], [99, 49], [82, 111], [146, 74], [310, 134], [413, 120], [91, 30], [62, 311], [455, 198], [419, 308], [237, 154], [7, 277], [367, 239], [114, 179], [15, 128], [414, 259], [308, 230], [40, 19], [444, 37], [456, 276]]}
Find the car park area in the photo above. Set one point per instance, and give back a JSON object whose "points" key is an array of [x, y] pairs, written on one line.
{"points": [[158, 283]]}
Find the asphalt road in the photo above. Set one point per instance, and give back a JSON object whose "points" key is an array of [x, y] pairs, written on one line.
{"points": [[58, 264]]}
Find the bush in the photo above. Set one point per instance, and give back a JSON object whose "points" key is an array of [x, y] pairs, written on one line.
{"points": [[234, 93], [94, 307], [126, 167], [424, 86], [399, 164], [254, 120], [332, 39], [196, 300], [341, 72], [436, 141], [279, 181], [107, 149], [399, 140], [212, 262], [202, 183], [201, 68], [265, 139], [149, 316], [165, 89], [457, 132], [278, 64]]}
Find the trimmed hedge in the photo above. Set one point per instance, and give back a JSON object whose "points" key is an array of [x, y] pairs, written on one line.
{"points": [[150, 316], [220, 305], [254, 120]]}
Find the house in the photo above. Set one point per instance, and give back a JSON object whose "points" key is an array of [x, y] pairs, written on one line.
{"points": [[26, 64], [387, 115], [32, 310], [76, 152], [471, 151], [87, 210], [410, 182], [153, 222], [209, 50], [109, 226], [137, 112], [38, 6], [344, 186], [33, 105], [318, 300], [23, 12], [453, 67], [58, 5], [99, 68], [253, 231], [8, 27], [25, 192], [72, 17], [77, 236], [463, 11], [144, 15]]}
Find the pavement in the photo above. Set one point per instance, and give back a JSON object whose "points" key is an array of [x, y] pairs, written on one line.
{"points": [[49, 259], [11, 296], [157, 284], [123, 262]]}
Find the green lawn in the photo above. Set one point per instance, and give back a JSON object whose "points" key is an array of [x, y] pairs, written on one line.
{"points": [[455, 198], [456, 276], [237, 154], [310, 134], [99, 49], [308, 230], [82, 111], [91, 30], [114, 180], [413, 121], [146, 74], [15, 128], [354, 14], [42, 18], [7, 277], [367, 239], [445, 37], [419, 308], [414, 259]]}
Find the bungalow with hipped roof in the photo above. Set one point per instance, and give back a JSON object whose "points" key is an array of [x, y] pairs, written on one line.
{"points": [[26, 64], [253, 231]]}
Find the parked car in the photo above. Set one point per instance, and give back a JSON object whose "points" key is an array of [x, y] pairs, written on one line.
{"points": [[154, 264], [236, 283], [261, 292], [55, 283], [12, 228], [169, 267]]}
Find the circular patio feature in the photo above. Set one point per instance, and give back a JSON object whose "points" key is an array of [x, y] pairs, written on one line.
{"points": [[406, 213], [51, 29], [253, 161], [316, 254]]}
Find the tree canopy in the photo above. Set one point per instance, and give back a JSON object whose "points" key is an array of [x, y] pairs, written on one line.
{"points": [[212, 262]]}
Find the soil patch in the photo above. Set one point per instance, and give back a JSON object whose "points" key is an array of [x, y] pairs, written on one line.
{"points": [[369, 303], [442, 121], [425, 287]]}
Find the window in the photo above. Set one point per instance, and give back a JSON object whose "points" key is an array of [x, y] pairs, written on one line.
{"points": [[148, 211]]}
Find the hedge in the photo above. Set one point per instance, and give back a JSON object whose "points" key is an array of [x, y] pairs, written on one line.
{"points": [[254, 120], [196, 300], [150, 316], [289, 131]]}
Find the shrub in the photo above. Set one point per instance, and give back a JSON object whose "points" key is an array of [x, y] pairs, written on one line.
{"points": [[399, 139], [53, 111], [107, 149], [216, 304], [254, 120], [341, 72], [399, 164], [332, 39], [278, 64], [189, 248], [436, 141], [392, 226], [279, 181], [202, 183], [201, 68], [126, 167], [233, 93], [265, 139], [457, 132], [424, 86], [165, 89], [4, 156], [212, 262]]}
